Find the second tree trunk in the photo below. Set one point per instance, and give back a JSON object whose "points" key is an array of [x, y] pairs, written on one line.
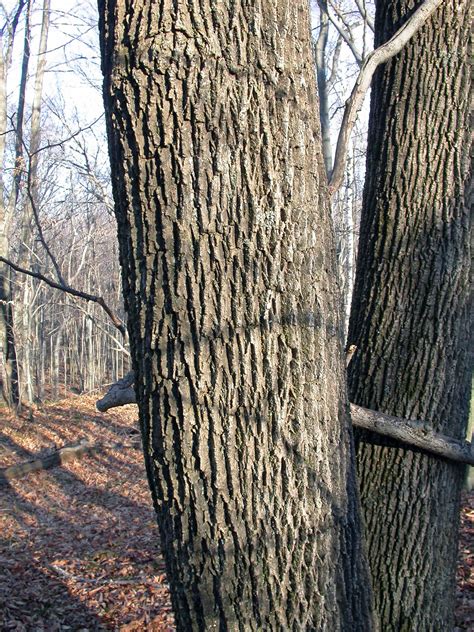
{"points": [[410, 314]]}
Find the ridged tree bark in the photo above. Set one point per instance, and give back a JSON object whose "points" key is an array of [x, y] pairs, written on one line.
{"points": [[410, 313], [234, 313]]}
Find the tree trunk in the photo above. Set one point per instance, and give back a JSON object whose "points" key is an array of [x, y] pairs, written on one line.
{"points": [[320, 55], [26, 319], [9, 387], [10, 390], [234, 312], [55, 361], [410, 313]]}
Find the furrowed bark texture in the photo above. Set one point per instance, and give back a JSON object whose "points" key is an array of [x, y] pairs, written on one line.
{"points": [[410, 313], [229, 277]]}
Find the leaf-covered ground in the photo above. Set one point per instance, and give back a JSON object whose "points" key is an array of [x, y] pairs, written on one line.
{"points": [[79, 544]]}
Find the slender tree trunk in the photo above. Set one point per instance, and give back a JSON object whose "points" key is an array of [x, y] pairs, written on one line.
{"points": [[35, 137], [41, 360], [234, 312], [27, 339], [90, 364], [56, 360], [410, 314], [65, 369], [9, 389], [7, 320], [320, 47], [27, 331]]}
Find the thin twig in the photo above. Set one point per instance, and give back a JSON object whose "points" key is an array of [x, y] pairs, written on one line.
{"points": [[70, 290], [63, 141], [105, 582], [363, 11]]}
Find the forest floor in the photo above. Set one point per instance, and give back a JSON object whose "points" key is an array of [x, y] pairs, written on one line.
{"points": [[79, 544]]}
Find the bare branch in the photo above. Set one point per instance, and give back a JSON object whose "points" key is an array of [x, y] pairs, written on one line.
{"points": [[413, 433], [70, 290], [372, 61], [363, 11], [43, 241], [72, 136], [344, 31]]}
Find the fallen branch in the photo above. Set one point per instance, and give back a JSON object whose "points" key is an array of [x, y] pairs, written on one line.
{"points": [[414, 433], [377, 57], [63, 455], [104, 582]]}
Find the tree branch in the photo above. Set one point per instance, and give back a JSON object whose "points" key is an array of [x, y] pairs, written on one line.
{"points": [[39, 228], [70, 290], [63, 455], [345, 32], [414, 433], [372, 61], [363, 11], [66, 454]]}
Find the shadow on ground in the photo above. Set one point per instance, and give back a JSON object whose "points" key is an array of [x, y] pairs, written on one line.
{"points": [[79, 544]]}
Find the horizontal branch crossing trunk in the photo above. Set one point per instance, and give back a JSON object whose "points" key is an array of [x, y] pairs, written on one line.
{"points": [[413, 433]]}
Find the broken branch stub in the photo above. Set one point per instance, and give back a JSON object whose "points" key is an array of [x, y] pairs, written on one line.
{"points": [[119, 394]]}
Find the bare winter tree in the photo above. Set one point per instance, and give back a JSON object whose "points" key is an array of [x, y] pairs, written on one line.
{"points": [[8, 357]]}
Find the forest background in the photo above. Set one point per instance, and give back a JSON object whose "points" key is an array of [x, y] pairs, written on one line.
{"points": [[57, 215]]}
